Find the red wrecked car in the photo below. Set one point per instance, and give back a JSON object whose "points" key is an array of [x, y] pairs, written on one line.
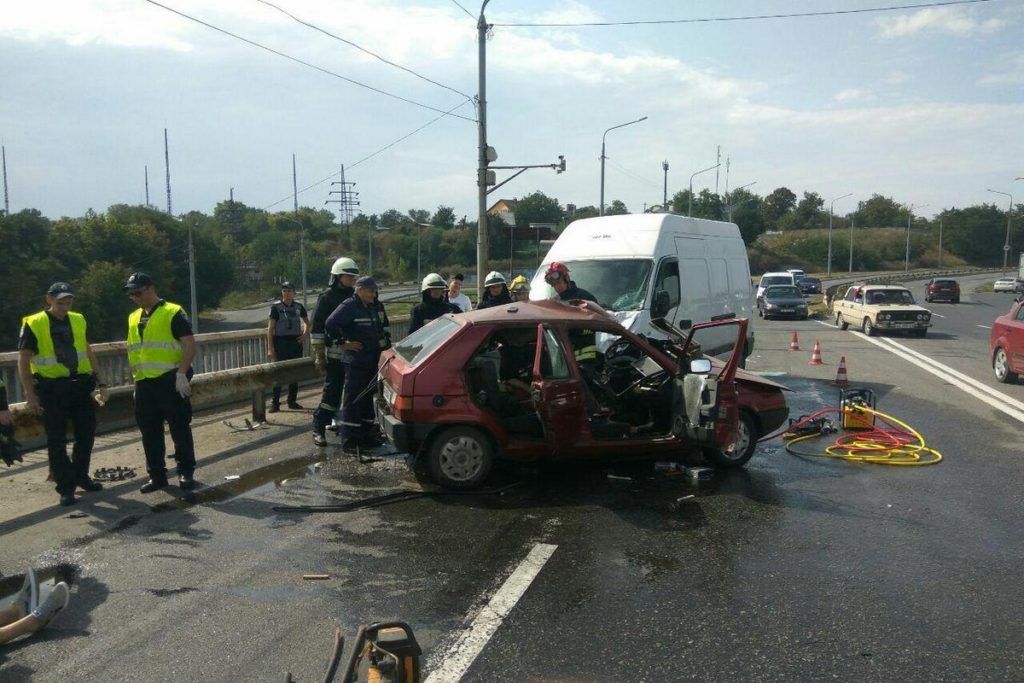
{"points": [[526, 381]]}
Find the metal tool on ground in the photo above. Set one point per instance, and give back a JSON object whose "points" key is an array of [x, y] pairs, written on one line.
{"points": [[816, 354], [841, 379], [387, 652], [117, 473], [249, 426], [852, 403], [794, 345]]}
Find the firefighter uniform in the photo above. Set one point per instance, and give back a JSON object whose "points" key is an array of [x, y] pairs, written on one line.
{"points": [[334, 379]]}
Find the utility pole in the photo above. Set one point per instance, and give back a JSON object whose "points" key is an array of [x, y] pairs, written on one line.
{"points": [[146, 169], [346, 201], [718, 162], [940, 242], [167, 167], [482, 240], [664, 192], [726, 193], [7, 204], [295, 187]]}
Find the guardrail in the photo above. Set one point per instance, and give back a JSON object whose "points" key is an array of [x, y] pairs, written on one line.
{"points": [[905, 276]]}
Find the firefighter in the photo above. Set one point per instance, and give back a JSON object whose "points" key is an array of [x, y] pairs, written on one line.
{"points": [[358, 321], [520, 288], [557, 275], [433, 305], [495, 291], [327, 356], [288, 326], [58, 372]]}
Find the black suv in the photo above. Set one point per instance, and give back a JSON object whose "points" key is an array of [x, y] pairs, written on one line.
{"points": [[942, 289], [809, 285]]}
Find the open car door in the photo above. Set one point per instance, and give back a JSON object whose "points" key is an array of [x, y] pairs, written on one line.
{"points": [[706, 402], [557, 395]]}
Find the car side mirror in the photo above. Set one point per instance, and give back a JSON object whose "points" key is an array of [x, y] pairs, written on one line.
{"points": [[700, 366], [662, 304]]}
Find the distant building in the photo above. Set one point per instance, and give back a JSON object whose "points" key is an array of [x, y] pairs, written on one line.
{"points": [[505, 210]]}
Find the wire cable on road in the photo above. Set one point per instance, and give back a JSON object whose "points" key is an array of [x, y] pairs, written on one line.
{"points": [[361, 48], [305, 63], [368, 156], [896, 443], [749, 17]]}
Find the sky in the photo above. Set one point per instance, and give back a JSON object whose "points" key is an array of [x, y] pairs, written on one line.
{"points": [[924, 105]]}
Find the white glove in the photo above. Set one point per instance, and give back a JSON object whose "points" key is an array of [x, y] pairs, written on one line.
{"points": [[181, 385]]}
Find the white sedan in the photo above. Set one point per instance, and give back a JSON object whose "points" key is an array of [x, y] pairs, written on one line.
{"points": [[1008, 284]]}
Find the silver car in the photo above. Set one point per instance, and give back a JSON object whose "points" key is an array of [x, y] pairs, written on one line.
{"points": [[1008, 284]]}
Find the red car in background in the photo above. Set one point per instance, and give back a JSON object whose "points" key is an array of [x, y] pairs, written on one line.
{"points": [[505, 382], [1006, 344]]}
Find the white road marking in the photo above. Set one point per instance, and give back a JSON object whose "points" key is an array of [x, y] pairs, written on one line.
{"points": [[471, 643], [936, 315], [985, 327]]}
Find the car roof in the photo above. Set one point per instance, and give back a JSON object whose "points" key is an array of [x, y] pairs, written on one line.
{"points": [[545, 311], [863, 285]]}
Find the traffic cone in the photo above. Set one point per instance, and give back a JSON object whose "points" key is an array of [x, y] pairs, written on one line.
{"points": [[841, 380], [816, 354], [794, 345]]}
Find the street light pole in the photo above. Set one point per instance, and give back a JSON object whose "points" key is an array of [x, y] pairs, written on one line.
{"points": [[910, 215], [730, 206], [828, 270], [689, 209], [482, 239], [628, 123], [1009, 219], [852, 221], [664, 192]]}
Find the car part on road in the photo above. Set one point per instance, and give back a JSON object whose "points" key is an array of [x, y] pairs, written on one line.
{"points": [[117, 473]]}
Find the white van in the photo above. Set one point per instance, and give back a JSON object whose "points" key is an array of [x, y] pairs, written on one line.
{"points": [[769, 279], [624, 261]]}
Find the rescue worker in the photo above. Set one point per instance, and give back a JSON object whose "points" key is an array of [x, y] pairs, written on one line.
{"points": [[433, 306], [557, 275], [520, 288], [288, 326], [495, 292], [327, 356], [58, 372], [358, 322], [160, 351], [455, 295]]}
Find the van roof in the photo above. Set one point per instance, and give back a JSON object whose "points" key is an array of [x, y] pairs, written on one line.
{"points": [[630, 235]]}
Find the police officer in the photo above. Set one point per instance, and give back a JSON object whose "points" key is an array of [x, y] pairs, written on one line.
{"points": [[557, 275], [288, 326], [160, 351], [433, 306], [326, 355], [58, 371], [358, 324], [495, 291], [520, 288]]}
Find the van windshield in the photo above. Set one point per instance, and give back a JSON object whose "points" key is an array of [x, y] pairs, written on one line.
{"points": [[617, 284]]}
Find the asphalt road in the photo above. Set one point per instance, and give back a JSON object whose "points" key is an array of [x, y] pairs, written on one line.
{"points": [[792, 568]]}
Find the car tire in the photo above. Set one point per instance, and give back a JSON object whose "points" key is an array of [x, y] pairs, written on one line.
{"points": [[956, 300], [921, 333], [1001, 367], [867, 328], [746, 443], [460, 458], [840, 323]]}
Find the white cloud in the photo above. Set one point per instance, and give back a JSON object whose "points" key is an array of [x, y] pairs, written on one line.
{"points": [[853, 95], [1009, 71], [949, 20]]}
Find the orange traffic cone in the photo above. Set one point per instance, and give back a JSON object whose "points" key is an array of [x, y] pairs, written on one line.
{"points": [[841, 380], [816, 354], [794, 345]]}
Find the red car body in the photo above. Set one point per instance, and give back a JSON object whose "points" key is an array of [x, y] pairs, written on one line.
{"points": [[430, 392], [1006, 344]]}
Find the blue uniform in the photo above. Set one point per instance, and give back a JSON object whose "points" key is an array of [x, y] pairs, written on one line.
{"points": [[355, 321]]}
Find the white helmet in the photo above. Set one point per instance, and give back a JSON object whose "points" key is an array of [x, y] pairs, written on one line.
{"points": [[343, 266], [433, 281], [494, 278]]}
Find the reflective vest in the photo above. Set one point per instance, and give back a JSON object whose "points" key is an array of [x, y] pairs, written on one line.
{"points": [[44, 362], [159, 352]]}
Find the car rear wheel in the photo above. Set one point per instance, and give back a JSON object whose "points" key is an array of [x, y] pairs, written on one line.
{"points": [[1001, 366], [742, 450], [867, 328], [460, 458], [956, 300], [840, 323]]}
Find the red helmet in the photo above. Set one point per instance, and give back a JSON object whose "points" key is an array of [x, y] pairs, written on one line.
{"points": [[556, 271]]}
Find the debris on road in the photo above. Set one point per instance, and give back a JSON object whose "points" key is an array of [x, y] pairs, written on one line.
{"points": [[315, 577]]}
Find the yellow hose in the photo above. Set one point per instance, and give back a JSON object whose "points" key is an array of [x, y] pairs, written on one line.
{"points": [[878, 446]]}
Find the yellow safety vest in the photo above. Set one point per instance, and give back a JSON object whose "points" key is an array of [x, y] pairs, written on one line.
{"points": [[160, 352], [44, 362]]}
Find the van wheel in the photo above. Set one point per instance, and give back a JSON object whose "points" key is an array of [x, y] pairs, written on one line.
{"points": [[840, 323], [1001, 366], [460, 458], [742, 450], [867, 328]]}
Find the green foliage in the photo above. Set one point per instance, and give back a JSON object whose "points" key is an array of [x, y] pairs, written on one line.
{"points": [[776, 205], [880, 212], [537, 208], [978, 233], [444, 217], [616, 208]]}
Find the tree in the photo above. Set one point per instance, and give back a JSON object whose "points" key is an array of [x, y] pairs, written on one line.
{"points": [[880, 212], [444, 217], [746, 214], [616, 208], [807, 215], [392, 218], [419, 215], [681, 202], [776, 205], [537, 208]]}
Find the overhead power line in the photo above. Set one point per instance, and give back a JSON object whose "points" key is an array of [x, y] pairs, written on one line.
{"points": [[368, 156], [749, 17], [305, 63], [360, 48], [468, 13]]}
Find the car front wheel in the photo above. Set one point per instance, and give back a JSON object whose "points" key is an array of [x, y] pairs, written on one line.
{"points": [[867, 328], [460, 458], [1001, 366], [742, 449]]}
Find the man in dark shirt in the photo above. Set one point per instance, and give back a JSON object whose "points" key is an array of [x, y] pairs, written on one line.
{"points": [[432, 306], [557, 276], [288, 326], [57, 369]]}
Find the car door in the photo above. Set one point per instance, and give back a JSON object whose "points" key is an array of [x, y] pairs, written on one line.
{"points": [[557, 395], [1015, 340]]}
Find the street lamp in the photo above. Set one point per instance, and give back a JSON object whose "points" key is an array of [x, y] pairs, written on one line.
{"points": [[854, 220], [419, 234], [729, 207], [689, 209], [1009, 217], [302, 254], [910, 215], [828, 270], [628, 123]]}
